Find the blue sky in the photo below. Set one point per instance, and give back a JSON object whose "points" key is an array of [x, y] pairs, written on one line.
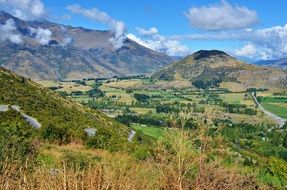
{"points": [[247, 29]]}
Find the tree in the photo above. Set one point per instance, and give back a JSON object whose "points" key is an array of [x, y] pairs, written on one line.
{"points": [[285, 140], [96, 92], [142, 97]]}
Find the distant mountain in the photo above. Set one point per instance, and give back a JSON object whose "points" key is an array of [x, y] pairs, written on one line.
{"points": [[54, 51], [277, 63], [216, 68]]}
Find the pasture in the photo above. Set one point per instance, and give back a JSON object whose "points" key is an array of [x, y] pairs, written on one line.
{"points": [[154, 132]]}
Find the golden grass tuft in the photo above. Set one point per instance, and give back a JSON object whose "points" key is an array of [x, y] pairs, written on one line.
{"points": [[181, 160]]}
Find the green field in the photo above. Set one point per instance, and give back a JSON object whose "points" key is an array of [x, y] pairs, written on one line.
{"points": [[236, 98], [118, 98], [275, 99], [277, 109], [154, 132]]}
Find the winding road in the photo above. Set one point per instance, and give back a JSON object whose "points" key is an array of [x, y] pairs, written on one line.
{"points": [[278, 119]]}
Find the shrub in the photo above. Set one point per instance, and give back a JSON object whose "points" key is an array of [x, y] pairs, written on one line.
{"points": [[141, 97], [56, 134], [141, 153], [78, 161], [278, 167]]}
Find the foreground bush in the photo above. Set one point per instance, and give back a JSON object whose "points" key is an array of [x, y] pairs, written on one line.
{"points": [[181, 160], [55, 134]]}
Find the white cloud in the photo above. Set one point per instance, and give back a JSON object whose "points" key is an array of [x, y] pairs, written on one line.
{"points": [[8, 32], [255, 52], [24, 9], [149, 32], [139, 41], [118, 27], [43, 36], [269, 42], [66, 38], [248, 50], [66, 41], [221, 17], [157, 42]]}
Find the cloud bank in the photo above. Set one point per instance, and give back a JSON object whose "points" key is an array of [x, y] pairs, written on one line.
{"points": [[8, 32], [223, 16], [155, 41], [118, 27], [248, 50], [149, 32], [270, 43], [43, 36], [24, 9]]}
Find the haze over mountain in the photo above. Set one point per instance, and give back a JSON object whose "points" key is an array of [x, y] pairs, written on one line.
{"points": [[46, 50], [277, 63], [216, 68]]}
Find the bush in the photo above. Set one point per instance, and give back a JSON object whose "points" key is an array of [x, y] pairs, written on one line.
{"points": [[56, 134], [141, 97], [141, 153], [278, 167], [104, 140], [16, 144], [79, 161]]}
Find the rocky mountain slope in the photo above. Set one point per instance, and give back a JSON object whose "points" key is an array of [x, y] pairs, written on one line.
{"points": [[46, 50], [216, 68]]}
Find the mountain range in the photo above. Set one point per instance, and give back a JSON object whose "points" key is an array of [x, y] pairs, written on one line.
{"points": [[46, 50], [277, 63], [216, 68]]}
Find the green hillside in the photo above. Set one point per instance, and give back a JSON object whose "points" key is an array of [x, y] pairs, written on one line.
{"points": [[206, 69], [53, 111]]}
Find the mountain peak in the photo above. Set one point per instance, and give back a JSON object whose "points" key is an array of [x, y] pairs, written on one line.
{"points": [[74, 52], [4, 16], [208, 53]]}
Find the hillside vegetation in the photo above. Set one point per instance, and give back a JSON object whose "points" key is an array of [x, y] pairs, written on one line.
{"points": [[205, 69], [54, 112], [188, 148]]}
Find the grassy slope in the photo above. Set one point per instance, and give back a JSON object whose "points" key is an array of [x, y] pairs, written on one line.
{"points": [[48, 107], [154, 132]]}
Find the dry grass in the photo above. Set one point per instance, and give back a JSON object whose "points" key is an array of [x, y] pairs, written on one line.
{"points": [[142, 111], [214, 177], [236, 98], [112, 172], [179, 161], [124, 84], [66, 86], [233, 86], [121, 95]]}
